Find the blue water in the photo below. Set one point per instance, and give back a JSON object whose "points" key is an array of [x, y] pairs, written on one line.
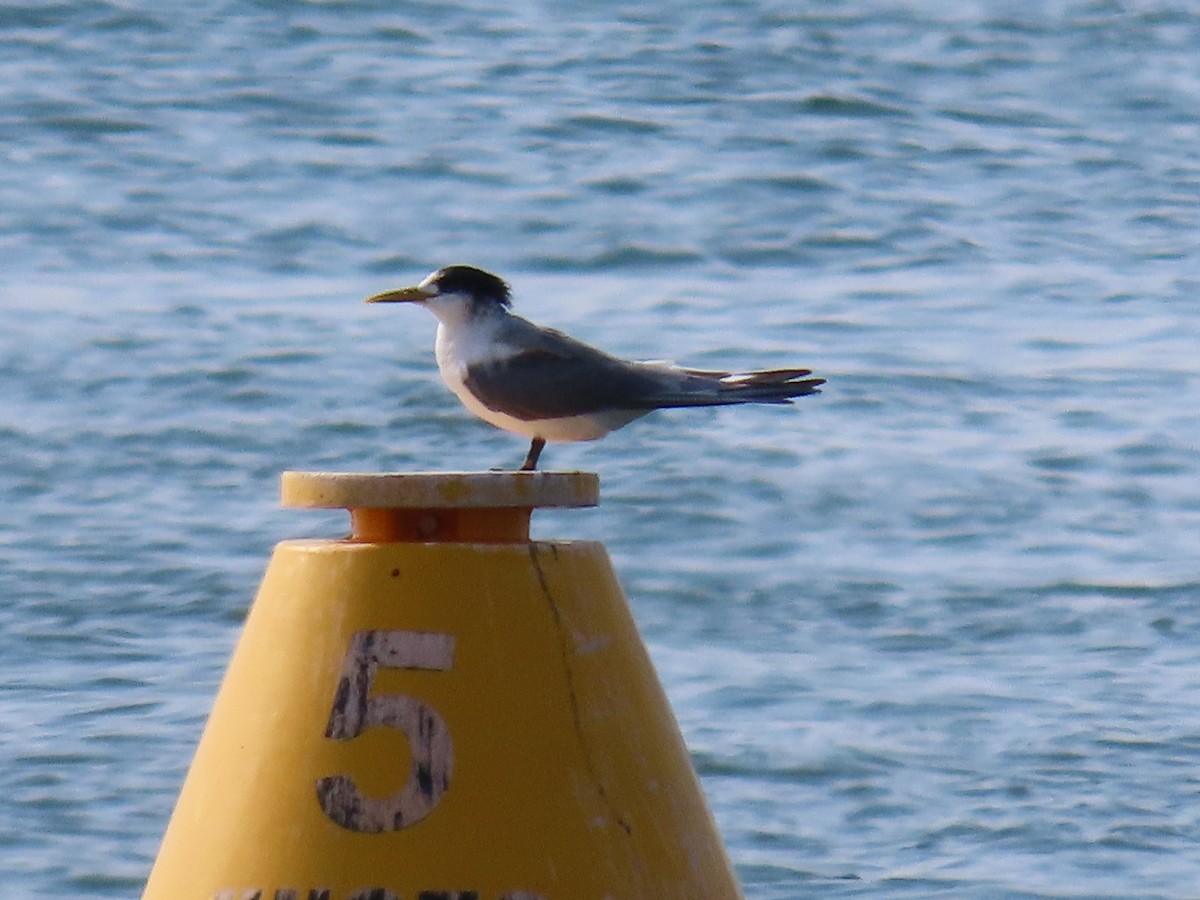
{"points": [[935, 633]]}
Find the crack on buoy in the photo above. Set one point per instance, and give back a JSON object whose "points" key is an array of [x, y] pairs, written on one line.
{"points": [[570, 674]]}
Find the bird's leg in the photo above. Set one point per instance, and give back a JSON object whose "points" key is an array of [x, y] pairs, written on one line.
{"points": [[531, 458]]}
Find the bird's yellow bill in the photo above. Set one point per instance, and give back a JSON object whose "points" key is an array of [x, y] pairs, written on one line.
{"points": [[404, 295]]}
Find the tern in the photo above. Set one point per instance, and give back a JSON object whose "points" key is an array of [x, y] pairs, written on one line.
{"points": [[546, 385]]}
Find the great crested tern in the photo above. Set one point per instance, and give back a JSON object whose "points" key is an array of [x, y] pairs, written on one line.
{"points": [[543, 384]]}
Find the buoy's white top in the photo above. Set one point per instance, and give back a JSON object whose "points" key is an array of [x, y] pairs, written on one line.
{"points": [[440, 490]]}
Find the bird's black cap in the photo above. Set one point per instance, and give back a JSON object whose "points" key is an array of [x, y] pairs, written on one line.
{"points": [[483, 287]]}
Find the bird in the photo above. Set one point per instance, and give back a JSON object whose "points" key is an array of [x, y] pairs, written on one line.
{"points": [[548, 386]]}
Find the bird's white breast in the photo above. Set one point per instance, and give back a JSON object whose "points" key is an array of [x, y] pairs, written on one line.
{"points": [[460, 345]]}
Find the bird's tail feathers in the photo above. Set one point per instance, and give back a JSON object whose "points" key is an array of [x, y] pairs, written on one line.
{"points": [[769, 376], [706, 388]]}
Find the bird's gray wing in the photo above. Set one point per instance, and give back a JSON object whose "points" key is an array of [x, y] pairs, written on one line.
{"points": [[560, 377], [554, 376]]}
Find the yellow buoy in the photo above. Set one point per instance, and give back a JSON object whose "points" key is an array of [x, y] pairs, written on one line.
{"points": [[438, 708]]}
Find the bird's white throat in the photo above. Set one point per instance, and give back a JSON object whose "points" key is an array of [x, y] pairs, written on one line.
{"points": [[467, 338], [454, 309]]}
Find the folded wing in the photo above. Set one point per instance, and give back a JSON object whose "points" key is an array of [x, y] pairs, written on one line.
{"points": [[558, 376]]}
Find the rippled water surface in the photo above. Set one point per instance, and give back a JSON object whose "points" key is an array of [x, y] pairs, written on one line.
{"points": [[935, 633]]}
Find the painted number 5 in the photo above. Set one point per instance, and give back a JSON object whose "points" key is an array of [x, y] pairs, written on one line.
{"points": [[355, 711]]}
